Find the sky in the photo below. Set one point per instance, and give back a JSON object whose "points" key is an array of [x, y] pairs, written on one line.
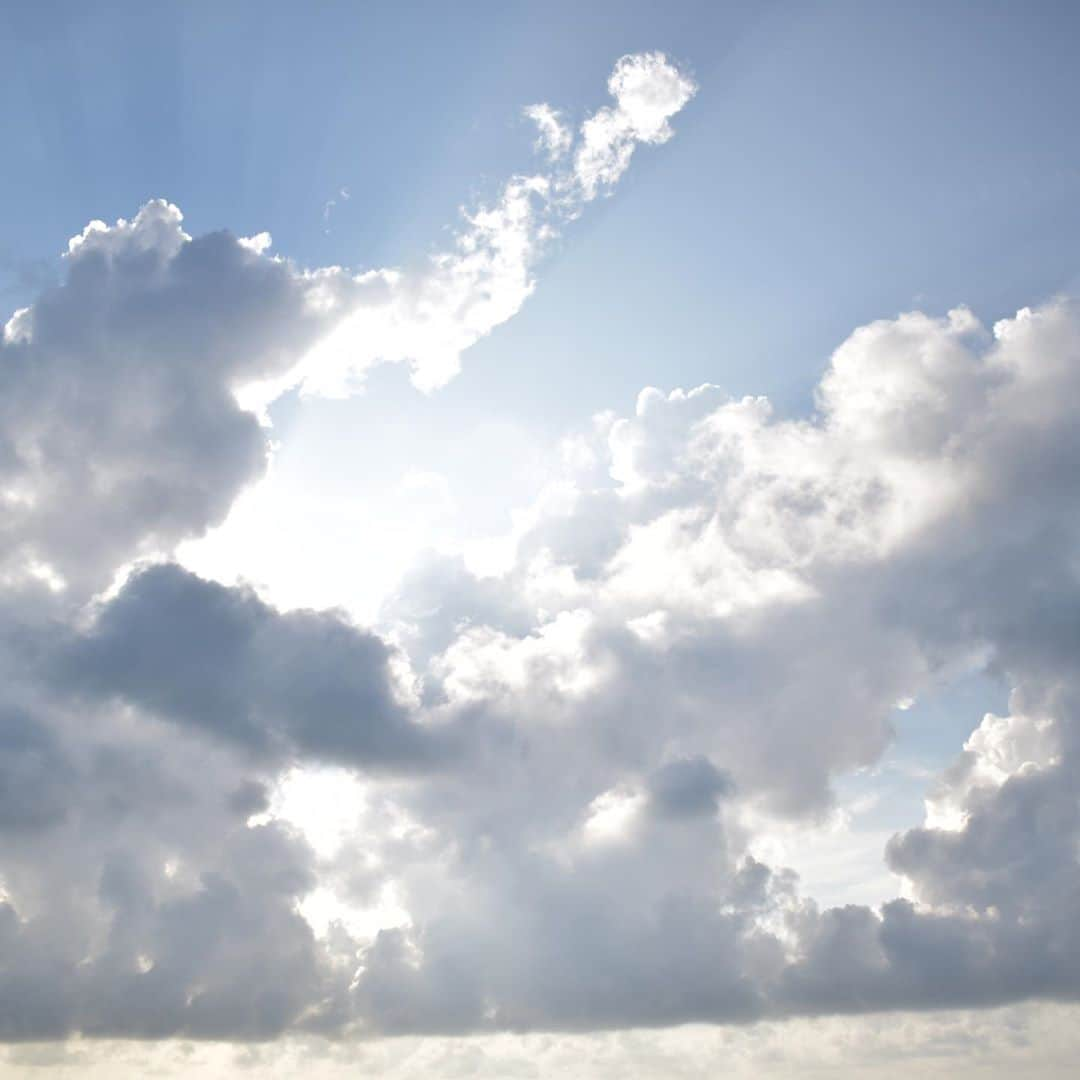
{"points": [[539, 540]]}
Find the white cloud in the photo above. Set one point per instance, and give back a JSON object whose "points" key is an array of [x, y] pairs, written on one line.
{"points": [[893, 522], [429, 317], [648, 91], [572, 764], [555, 138]]}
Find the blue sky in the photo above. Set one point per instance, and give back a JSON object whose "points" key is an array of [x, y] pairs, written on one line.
{"points": [[508, 704], [842, 162]]}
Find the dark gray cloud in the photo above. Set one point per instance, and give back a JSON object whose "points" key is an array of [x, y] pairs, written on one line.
{"points": [[34, 774], [281, 685], [688, 787]]}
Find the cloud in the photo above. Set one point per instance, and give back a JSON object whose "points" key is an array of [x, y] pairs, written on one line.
{"points": [[554, 137], [118, 407], [754, 598], [33, 775], [648, 91], [435, 312], [129, 390], [220, 660], [138, 901], [148, 716], [687, 787], [561, 767]]}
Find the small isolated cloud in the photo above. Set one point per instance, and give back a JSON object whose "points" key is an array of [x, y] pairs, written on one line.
{"points": [[330, 204]]}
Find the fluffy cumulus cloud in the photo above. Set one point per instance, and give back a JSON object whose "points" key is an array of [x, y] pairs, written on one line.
{"points": [[648, 91], [130, 390], [706, 620], [554, 772], [118, 405]]}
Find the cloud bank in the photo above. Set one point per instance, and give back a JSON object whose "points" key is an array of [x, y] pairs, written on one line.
{"points": [[563, 763]]}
